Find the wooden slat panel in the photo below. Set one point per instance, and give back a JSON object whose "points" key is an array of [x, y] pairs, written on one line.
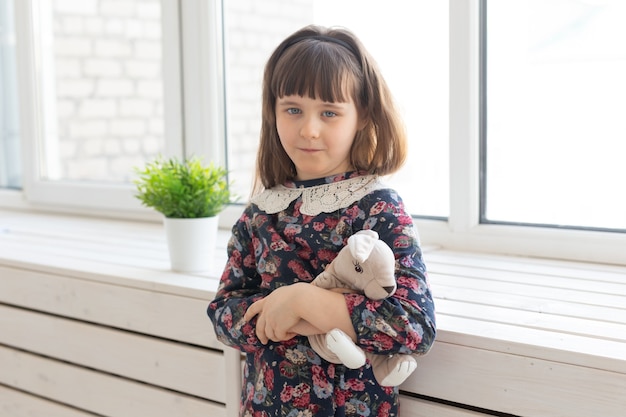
{"points": [[164, 315], [18, 404], [188, 369], [102, 394], [497, 288], [535, 320], [518, 385], [525, 303], [533, 343], [413, 407]]}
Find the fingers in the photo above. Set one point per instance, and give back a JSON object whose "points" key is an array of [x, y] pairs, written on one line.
{"points": [[261, 330], [267, 328], [271, 333], [253, 310], [265, 331]]}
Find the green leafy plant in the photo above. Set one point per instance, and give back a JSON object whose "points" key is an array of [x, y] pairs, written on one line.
{"points": [[183, 189]]}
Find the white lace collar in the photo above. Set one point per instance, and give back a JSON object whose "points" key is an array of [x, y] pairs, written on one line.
{"points": [[323, 198]]}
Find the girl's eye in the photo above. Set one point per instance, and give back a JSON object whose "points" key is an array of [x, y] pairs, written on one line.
{"points": [[293, 110], [329, 113]]}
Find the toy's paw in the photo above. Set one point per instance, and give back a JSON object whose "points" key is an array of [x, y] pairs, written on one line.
{"points": [[346, 350], [398, 370]]}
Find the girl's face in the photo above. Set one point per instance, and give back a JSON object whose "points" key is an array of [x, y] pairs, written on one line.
{"points": [[316, 135]]}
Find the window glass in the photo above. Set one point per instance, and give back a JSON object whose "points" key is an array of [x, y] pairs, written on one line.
{"points": [[409, 40], [102, 88], [556, 100], [10, 167]]}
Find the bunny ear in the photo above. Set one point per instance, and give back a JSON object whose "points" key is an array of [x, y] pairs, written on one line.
{"points": [[361, 244]]}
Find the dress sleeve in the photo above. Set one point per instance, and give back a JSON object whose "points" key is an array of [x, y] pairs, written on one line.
{"points": [[404, 322], [240, 286]]}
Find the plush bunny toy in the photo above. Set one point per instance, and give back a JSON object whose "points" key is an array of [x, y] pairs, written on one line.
{"points": [[366, 264]]}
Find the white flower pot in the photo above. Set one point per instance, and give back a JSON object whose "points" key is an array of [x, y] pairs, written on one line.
{"points": [[191, 243]]}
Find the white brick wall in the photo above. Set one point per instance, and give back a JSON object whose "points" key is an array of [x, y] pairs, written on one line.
{"points": [[73, 7], [109, 87], [108, 83]]}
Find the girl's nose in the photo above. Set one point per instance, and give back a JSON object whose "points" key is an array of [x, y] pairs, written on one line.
{"points": [[310, 128]]}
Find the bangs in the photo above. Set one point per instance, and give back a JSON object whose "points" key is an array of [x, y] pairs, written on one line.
{"points": [[318, 70]]}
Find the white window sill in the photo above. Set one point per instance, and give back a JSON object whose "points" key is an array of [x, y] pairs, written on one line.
{"points": [[128, 253]]}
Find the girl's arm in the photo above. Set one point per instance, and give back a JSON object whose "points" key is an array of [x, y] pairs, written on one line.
{"points": [[404, 322], [280, 314], [240, 286]]}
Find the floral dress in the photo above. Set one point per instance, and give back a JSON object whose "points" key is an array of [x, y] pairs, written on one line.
{"points": [[289, 234]]}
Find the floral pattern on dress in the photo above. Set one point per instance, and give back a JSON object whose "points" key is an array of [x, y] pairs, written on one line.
{"points": [[267, 251]]}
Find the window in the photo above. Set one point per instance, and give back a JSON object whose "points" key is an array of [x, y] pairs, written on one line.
{"points": [[93, 93], [10, 166], [103, 88], [192, 84], [555, 106], [464, 229], [410, 45]]}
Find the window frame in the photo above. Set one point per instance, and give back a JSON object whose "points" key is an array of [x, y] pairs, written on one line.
{"points": [[195, 82], [91, 197], [464, 231]]}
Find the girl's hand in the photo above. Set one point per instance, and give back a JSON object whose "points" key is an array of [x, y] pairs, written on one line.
{"points": [[304, 328], [276, 315], [282, 312]]}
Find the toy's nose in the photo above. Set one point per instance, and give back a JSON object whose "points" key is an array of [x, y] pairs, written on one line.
{"points": [[389, 289]]}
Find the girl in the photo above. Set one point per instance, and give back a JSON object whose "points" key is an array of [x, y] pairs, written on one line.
{"points": [[329, 131]]}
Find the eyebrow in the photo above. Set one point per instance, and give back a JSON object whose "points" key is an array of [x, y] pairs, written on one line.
{"points": [[327, 104], [286, 102]]}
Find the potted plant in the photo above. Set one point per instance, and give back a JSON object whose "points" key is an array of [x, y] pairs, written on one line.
{"points": [[190, 195]]}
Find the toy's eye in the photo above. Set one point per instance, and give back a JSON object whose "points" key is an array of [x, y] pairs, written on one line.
{"points": [[358, 268]]}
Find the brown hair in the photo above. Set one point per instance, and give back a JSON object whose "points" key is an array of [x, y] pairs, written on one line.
{"points": [[329, 63]]}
